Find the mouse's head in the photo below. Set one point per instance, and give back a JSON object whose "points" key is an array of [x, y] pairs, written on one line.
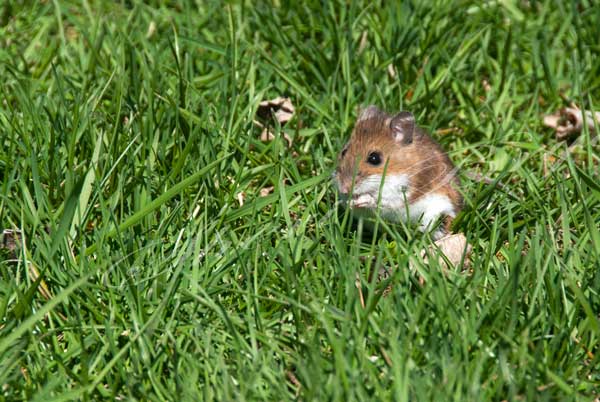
{"points": [[381, 144]]}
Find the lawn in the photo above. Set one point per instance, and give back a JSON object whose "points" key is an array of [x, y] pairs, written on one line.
{"points": [[155, 246]]}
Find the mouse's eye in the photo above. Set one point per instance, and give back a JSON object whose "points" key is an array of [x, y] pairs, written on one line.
{"points": [[374, 159]]}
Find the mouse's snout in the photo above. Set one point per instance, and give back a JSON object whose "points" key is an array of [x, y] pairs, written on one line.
{"points": [[342, 184], [346, 175]]}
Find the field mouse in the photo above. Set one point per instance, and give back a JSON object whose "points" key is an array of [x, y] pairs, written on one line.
{"points": [[419, 180]]}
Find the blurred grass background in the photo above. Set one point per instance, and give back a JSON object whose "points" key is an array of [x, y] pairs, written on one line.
{"points": [[149, 266]]}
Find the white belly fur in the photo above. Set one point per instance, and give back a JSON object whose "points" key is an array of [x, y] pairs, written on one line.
{"points": [[425, 210]]}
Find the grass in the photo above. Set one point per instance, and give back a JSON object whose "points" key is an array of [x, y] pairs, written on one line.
{"points": [[127, 143]]}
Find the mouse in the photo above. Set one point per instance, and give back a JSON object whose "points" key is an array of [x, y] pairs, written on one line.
{"points": [[393, 168]]}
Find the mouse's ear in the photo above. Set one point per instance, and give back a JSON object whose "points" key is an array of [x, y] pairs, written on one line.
{"points": [[368, 112], [403, 127]]}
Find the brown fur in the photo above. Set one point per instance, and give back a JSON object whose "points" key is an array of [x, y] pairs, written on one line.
{"points": [[423, 160]]}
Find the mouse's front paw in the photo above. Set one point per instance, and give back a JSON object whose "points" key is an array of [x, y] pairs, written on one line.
{"points": [[364, 201]]}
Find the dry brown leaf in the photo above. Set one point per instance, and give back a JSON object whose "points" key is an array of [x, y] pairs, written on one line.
{"points": [[266, 135], [569, 122], [266, 191], [284, 115], [281, 107]]}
